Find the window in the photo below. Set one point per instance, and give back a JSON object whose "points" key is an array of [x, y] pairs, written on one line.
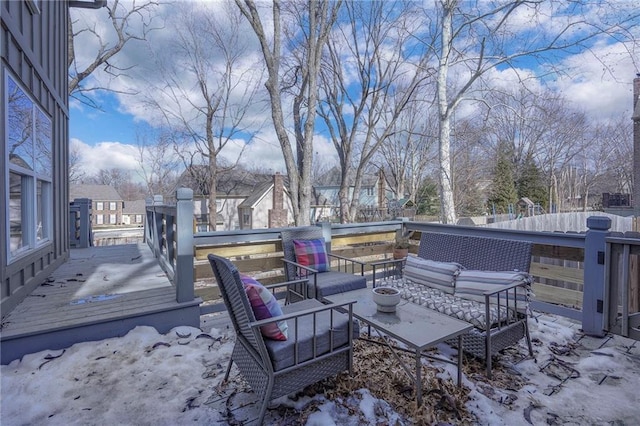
{"points": [[246, 217], [112, 206], [99, 205], [30, 167], [138, 218], [112, 219], [99, 219]]}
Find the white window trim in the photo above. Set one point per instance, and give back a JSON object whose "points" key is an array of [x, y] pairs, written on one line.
{"points": [[33, 243]]}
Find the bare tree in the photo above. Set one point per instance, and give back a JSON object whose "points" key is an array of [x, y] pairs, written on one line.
{"points": [[368, 79], [407, 155], [473, 38], [158, 162], [617, 139], [129, 20], [119, 179], [76, 174], [312, 24], [209, 90]]}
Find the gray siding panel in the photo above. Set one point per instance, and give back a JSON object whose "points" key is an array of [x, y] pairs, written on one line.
{"points": [[34, 49]]}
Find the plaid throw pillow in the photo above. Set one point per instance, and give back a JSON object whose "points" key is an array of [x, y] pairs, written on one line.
{"points": [[312, 254], [264, 306]]}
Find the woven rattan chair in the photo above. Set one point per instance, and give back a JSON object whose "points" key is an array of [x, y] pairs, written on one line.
{"points": [[344, 275], [319, 344]]}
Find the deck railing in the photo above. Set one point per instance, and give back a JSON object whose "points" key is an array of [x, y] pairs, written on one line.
{"points": [[169, 233], [80, 235], [568, 268], [622, 305]]}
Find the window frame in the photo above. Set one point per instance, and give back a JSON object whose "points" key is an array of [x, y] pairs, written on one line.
{"points": [[36, 183], [113, 206]]}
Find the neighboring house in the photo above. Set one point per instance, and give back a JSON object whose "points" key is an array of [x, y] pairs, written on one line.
{"points": [[244, 200], [35, 150], [374, 194], [134, 212], [107, 204], [268, 206]]}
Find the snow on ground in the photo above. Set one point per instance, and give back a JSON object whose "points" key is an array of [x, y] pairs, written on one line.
{"points": [[148, 378]]}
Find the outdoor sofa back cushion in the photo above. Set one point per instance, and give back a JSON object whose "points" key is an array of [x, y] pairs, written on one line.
{"points": [[440, 275], [265, 306], [312, 254], [471, 284]]}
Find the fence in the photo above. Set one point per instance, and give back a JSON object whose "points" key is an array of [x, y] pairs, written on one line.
{"points": [[582, 259]]}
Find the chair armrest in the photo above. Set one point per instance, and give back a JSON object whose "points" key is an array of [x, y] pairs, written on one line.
{"points": [[310, 311], [301, 283], [346, 262], [504, 288], [393, 265], [297, 265], [286, 283]]}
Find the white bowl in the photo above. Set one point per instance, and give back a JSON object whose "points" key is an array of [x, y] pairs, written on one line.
{"points": [[386, 298]]}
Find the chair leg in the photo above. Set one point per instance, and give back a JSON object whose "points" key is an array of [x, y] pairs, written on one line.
{"points": [[487, 352], [226, 375], [526, 332], [265, 401]]}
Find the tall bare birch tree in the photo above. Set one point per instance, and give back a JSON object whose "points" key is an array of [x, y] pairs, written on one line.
{"points": [[310, 24], [473, 38]]}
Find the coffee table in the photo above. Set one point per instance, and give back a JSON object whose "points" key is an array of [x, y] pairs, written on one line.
{"points": [[419, 328]]}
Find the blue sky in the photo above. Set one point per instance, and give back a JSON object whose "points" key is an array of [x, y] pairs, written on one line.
{"points": [[107, 137], [93, 126]]}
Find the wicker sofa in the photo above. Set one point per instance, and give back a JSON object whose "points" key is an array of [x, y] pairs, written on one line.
{"points": [[483, 281]]}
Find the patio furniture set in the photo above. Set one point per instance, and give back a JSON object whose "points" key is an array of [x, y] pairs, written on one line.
{"points": [[471, 292]]}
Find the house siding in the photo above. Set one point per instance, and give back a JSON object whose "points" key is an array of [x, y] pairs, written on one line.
{"points": [[34, 52]]}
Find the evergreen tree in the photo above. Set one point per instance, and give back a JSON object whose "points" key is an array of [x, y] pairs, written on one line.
{"points": [[530, 184], [503, 189]]}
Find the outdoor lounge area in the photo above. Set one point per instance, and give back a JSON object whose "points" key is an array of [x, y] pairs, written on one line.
{"points": [[390, 373]]}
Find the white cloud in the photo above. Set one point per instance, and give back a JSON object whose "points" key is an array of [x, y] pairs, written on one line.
{"points": [[106, 155], [600, 81]]}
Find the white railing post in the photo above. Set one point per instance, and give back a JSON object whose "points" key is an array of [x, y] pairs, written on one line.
{"points": [[184, 245], [594, 274]]}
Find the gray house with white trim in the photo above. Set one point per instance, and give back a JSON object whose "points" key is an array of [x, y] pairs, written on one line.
{"points": [[35, 144]]}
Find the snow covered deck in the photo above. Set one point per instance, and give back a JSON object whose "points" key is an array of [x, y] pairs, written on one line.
{"points": [[99, 292]]}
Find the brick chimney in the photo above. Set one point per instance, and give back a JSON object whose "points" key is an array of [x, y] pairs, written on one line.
{"points": [[278, 214], [636, 145]]}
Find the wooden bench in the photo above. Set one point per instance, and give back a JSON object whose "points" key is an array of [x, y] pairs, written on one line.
{"points": [[490, 288]]}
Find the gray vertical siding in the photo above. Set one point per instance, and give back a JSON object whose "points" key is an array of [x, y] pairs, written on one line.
{"points": [[34, 50]]}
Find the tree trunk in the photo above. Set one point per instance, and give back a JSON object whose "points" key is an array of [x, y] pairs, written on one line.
{"points": [[447, 206]]}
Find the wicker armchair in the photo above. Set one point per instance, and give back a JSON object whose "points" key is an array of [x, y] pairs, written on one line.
{"points": [[344, 275], [319, 344]]}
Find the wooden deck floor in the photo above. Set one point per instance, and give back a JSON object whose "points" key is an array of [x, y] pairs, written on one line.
{"points": [[100, 292]]}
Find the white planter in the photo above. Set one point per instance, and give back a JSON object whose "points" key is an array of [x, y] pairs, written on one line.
{"points": [[386, 298]]}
